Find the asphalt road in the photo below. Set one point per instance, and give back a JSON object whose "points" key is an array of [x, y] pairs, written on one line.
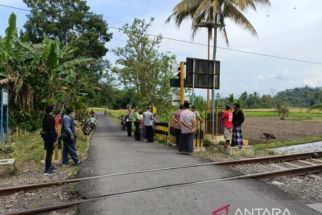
{"points": [[111, 151]]}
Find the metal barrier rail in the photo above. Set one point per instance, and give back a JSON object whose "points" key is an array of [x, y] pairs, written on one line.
{"points": [[161, 130], [165, 132]]}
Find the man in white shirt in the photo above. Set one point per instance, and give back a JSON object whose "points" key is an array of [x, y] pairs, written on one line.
{"points": [[197, 114], [148, 125], [187, 122]]}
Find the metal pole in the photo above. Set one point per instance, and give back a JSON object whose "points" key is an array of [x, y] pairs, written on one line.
{"points": [[208, 91], [213, 107], [213, 88], [1, 117], [193, 81], [7, 128], [181, 83]]}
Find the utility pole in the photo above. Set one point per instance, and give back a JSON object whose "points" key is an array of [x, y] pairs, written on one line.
{"points": [[182, 82], [211, 93]]}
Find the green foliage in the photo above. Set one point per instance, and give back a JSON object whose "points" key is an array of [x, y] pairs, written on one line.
{"points": [[140, 66], [42, 73], [282, 109], [200, 103], [317, 106], [294, 113], [296, 141], [297, 97], [207, 143], [71, 22], [301, 97], [11, 32]]}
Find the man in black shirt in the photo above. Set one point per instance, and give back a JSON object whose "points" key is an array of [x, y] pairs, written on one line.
{"points": [[238, 119], [49, 136]]}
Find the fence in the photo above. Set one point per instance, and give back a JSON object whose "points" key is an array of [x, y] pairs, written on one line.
{"points": [[165, 132]]}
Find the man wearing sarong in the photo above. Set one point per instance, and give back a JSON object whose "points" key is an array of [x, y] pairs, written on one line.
{"points": [[238, 119]]}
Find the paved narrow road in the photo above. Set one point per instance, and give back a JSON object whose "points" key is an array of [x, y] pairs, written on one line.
{"points": [[111, 151]]}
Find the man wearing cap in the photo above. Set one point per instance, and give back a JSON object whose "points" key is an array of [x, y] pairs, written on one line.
{"points": [[227, 123]]}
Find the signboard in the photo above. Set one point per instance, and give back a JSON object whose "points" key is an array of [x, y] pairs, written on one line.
{"points": [[204, 74], [176, 100], [174, 82], [5, 99]]}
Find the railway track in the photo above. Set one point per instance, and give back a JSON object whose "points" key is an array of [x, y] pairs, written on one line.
{"points": [[310, 164]]}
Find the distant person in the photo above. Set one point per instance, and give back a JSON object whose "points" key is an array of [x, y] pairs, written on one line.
{"points": [[128, 122], [197, 114], [58, 118], [227, 123], [238, 119], [92, 113], [123, 123], [49, 136], [148, 125], [92, 121], [142, 134], [187, 122], [68, 135], [136, 119], [177, 126]]}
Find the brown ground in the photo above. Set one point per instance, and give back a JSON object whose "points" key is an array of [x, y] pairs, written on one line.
{"points": [[253, 129], [41, 197]]}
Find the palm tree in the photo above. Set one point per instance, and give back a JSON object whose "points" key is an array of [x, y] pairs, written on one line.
{"points": [[213, 14]]}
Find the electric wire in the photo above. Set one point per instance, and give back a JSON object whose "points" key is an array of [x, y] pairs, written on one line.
{"points": [[203, 44]]}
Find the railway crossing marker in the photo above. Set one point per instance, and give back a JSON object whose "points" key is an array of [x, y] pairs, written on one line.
{"points": [[4, 108]]}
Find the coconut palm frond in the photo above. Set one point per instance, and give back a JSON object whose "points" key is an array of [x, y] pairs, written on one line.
{"points": [[224, 31], [244, 4], [203, 10], [183, 10], [236, 15]]}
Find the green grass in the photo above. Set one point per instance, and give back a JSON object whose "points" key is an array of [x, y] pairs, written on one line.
{"points": [[295, 113], [28, 148], [291, 142], [116, 114], [97, 109]]}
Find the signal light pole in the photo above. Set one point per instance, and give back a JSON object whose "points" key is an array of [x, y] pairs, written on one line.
{"points": [[182, 82]]}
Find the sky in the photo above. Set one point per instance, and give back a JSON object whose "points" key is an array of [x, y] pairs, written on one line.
{"points": [[289, 28]]}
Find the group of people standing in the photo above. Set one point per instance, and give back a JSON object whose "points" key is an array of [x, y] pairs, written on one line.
{"points": [[184, 126], [232, 122], [50, 129], [143, 124]]}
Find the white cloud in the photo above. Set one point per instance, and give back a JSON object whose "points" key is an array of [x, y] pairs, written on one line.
{"points": [[314, 82], [12, 2], [282, 30], [284, 75], [260, 78]]}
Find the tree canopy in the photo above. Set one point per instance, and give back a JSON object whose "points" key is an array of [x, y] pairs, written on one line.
{"points": [[141, 66], [71, 22], [44, 73]]}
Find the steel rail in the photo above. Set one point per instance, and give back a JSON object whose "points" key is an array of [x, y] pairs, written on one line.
{"points": [[7, 190], [294, 171]]}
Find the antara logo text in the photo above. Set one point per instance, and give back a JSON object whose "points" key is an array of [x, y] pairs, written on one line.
{"points": [[225, 210]]}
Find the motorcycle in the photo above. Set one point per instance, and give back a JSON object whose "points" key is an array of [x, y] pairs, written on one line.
{"points": [[123, 123], [87, 127]]}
